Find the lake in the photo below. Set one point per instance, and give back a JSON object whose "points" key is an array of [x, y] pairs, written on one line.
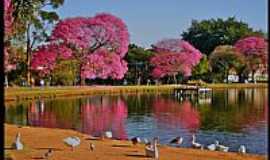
{"points": [[234, 117]]}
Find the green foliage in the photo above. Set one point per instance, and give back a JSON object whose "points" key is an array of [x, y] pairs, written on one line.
{"points": [[138, 61], [65, 73], [224, 58], [137, 54], [201, 71], [206, 35], [31, 20]]}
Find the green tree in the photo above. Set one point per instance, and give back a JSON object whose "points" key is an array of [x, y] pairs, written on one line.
{"points": [[222, 59], [65, 73], [206, 35], [138, 61], [32, 21], [201, 71]]}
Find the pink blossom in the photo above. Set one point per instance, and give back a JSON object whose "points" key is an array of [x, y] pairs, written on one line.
{"points": [[99, 43], [103, 64], [8, 18], [253, 46], [174, 56]]}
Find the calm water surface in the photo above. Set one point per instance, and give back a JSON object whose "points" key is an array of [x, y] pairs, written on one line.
{"points": [[232, 116]]}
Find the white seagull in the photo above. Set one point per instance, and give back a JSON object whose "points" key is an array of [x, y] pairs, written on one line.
{"points": [[18, 144], [212, 147], [72, 141], [196, 144], [221, 147], [242, 149]]}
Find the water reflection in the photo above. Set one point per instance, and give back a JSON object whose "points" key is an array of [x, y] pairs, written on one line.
{"points": [[174, 114], [232, 116], [105, 115]]}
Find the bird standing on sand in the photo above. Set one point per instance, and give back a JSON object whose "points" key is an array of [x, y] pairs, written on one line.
{"points": [[152, 150], [196, 144], [212, 147], [48, 154], [222, 147], [177, 140], [135, 140], [18, 144], [72, 141], [92, 146], [242, 149]]}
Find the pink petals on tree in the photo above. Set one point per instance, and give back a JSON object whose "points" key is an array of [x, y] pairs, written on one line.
{"points": [[98, 43], [174, 56], [103, 64], [8, 18], [44, 59], [253, 46]]}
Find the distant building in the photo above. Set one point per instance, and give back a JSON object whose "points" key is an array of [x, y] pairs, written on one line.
{"points": [[232, 76], [260, 74]]}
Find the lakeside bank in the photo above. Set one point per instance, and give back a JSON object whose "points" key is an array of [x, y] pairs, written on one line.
{"points": [[38, 140], [27, 93]]}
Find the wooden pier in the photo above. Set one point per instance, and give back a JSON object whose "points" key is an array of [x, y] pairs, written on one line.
{"points": [[192, 91]]}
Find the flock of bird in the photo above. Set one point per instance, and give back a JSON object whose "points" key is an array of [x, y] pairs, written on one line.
{"points": [[179, 140], [151, 149]]}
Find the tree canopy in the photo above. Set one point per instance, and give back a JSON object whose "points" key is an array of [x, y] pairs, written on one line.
{"points": [[98, 44], [224, 58], [206, 35], [174, 56], [254, 49]]}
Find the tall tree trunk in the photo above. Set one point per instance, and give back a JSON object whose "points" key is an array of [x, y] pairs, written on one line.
{"points": [[28, 55], [6, 80], [82, 80], [174, 78], [253, 76]]}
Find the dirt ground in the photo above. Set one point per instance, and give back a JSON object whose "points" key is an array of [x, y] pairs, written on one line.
{"points": [[37, 141]]}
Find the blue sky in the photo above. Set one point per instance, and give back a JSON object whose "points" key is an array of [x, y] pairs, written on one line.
{"points": [[151, 20]]}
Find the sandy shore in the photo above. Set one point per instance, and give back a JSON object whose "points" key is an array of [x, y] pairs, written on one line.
{"points": [[38, 140]]}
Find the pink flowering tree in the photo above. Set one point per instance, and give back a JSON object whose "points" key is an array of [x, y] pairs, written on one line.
{"points": [[8, 10], [102, 64], [173, 57], [8, 19], [254, 49], [46, 57], [103, 37]]}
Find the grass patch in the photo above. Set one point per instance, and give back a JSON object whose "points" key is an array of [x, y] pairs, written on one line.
{"points": [[26, 93]]}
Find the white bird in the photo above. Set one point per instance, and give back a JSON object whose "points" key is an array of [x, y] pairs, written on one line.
{"points": [[108, 134], [196, 144], [18, 144], [242, 149], [92, 146], [72, 141], [221, 147], [152, 150], [212, 147]]}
